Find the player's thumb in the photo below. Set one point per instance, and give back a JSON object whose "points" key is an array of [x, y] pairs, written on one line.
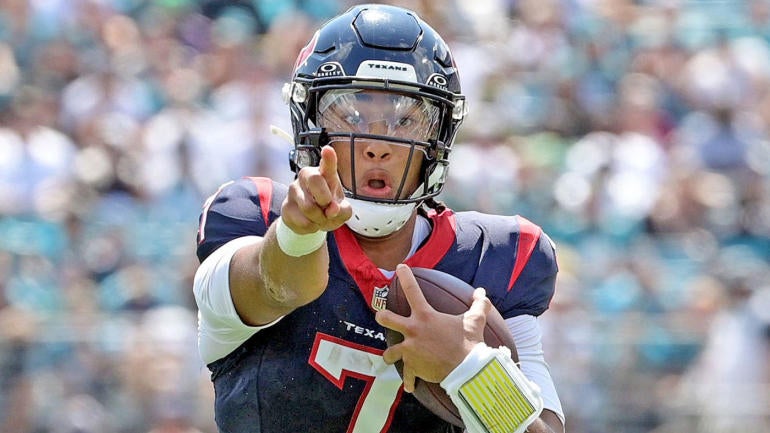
{"points": [[476, 316]]}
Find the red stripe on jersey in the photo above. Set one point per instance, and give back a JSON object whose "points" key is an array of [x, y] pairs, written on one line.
{"points": [[529, 234], [265, 191], [441, 238]]}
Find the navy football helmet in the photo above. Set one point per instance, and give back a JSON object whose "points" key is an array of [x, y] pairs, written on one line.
{"points": [[377, 48]]}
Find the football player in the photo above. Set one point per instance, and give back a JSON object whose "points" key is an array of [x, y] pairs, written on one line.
{"points": [[293, 279]]}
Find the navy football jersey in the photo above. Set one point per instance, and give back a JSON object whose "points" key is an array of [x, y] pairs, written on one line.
{"points": [[320, 368]]}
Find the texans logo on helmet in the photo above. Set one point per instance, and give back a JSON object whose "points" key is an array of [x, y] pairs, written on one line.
{"points": [[307, 51]]}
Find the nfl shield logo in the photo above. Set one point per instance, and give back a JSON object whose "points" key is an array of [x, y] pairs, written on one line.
{"points": [[380, 298]]}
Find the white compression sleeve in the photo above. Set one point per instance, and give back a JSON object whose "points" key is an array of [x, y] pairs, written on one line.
{"points": [[528, 337]]}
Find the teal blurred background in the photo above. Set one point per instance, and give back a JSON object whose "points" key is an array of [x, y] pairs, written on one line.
{"points": [[635, 132]]}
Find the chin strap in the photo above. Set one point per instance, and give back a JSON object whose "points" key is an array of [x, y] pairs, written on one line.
{"points": [[281, 133], [376, 220]]}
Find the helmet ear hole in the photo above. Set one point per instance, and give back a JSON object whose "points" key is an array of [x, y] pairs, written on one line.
{"points": [[305, 156], [435, 177]]}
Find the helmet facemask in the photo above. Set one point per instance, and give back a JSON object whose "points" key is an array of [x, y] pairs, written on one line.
{"points": [[407, 119], [401, 126]]}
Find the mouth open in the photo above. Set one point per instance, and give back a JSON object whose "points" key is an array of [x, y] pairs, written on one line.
{"points": [[376, 184]]}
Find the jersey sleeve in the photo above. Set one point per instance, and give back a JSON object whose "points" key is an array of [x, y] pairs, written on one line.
{"points": [[245, 207], [220, 329], [517, 264]]}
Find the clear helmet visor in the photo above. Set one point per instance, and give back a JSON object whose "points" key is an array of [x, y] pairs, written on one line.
{"points": [[379, 113]]}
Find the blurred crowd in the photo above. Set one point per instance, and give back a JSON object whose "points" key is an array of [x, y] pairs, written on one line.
{"points": [[635, 132]]}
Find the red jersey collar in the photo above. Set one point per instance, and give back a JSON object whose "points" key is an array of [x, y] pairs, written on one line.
{"points": [[366, 274]]}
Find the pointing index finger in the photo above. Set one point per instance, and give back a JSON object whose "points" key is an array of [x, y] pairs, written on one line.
{"points": [[328, 166], [328, 169]]}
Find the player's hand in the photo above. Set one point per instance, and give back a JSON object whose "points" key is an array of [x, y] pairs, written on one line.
{"points": [[434, 342], [316, 200]]}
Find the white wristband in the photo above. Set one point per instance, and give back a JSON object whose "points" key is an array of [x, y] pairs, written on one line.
{"points": [[295, 244], [491, 393]]}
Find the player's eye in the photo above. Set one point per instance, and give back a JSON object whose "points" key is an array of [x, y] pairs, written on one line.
{"points": [[406, 122], [354, 118]]}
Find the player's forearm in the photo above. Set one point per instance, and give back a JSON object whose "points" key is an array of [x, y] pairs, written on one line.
{"points": [[266, 283], [291, 280]]}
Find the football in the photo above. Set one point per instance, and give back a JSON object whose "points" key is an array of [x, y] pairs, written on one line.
{"points": [[447, 294]]}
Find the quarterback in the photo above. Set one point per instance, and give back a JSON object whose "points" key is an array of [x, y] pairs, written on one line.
{"points": [[293, 278]]}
